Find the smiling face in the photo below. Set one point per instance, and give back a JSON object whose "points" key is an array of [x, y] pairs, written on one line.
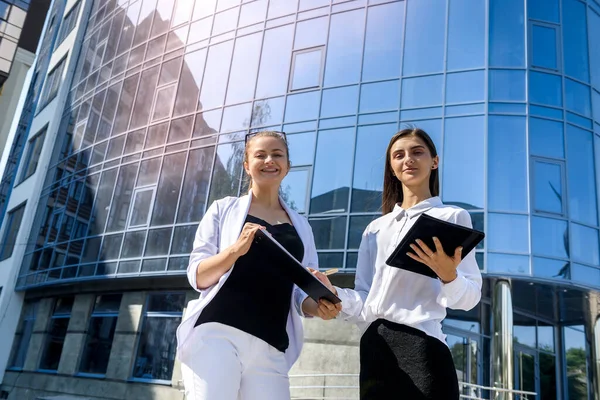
{"points": [[267, 161], [411, 161]]}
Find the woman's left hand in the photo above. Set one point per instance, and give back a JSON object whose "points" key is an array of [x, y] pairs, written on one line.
{"points": [[442, 264]]}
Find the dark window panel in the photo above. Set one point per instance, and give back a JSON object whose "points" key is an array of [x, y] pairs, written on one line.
{"points": [[134, 244], [135, 141], [121, 201], [195, 185], [57, 332], [180, 129], [111, 247], [156, 355], [158, 242], [103, 198], [154, 265], [96, 351], [330, 260], [157, 135], [115, 147], [145, 91], [167, 194], [11, 231]]}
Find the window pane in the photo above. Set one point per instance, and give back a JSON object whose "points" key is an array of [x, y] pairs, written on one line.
{"points": [[140, 211], [380, 96], [506, 85], [508, 263], [227, 171], [172, 302], [11, 231], [214, 83], [466, 34], [589, 276], [307, 69], [547, 196], [575, 48], [581, 176], [578, 97], [594, 30], [311, 33], [344, 50], [425, 37], [134, 244], [117, 219], [244, 69], [333, 168], [236, 118], [302, 148], [294, 189], [34, 150], [147, 86], [190, 81], [547, 268], [340, 101], [507, 164], [508, 233], [463, 177], [549, 237], [167, 192], [96, 351], [545, 89], [253, 13], [465, 87], [274, 64], [103, 198], [383, 42], [576, 359], [302, 106], [367, 183], [125, 104], [225, 21], [507, 36], [279, 8], [156, 353], [585, 245], [544, 52], [544, 10], [358, 224], [546, 138], [596, 103], [422, 92], [329, 232], [195, 185], [55, 339]]}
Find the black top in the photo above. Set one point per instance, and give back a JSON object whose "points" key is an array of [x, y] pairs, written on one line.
{"points": [[256, 297]]}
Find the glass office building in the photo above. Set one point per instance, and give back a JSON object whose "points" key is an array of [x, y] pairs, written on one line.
{"points": [[157, 104]]}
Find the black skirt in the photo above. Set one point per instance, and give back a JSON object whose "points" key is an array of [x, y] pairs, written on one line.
{"points": [[401, 362]]}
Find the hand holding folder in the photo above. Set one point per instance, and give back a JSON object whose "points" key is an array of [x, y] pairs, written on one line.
{"points": [[296, 272], [425, 229]]}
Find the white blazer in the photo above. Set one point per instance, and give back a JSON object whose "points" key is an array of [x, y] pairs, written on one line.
{"points": [[220, 228]]}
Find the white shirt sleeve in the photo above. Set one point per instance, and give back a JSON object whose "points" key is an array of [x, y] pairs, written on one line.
{"points": [[464, 292], [354, 300], [206, 242]]}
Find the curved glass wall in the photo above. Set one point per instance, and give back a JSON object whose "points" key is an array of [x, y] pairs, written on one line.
{"points": [[164, 92]]}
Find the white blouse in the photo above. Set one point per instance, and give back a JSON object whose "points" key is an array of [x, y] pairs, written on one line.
{"points": [[402, 296]]}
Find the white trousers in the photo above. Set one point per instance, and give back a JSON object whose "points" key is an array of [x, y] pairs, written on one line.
{"points": [[225, 363]]}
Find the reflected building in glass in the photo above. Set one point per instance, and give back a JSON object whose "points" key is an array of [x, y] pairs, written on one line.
{"points": [[140, 126]]}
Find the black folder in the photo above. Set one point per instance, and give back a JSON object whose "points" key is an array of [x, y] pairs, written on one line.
{"points": [[295, 271], [425, 228]]}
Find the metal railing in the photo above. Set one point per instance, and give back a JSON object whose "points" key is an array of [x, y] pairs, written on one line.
{"points": [[321, 387]]}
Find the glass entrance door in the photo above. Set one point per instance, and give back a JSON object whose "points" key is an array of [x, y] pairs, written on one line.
{"points": [[526, 369]]}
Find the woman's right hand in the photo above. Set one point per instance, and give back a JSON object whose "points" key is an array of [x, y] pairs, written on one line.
{"points": [[242, 245]]}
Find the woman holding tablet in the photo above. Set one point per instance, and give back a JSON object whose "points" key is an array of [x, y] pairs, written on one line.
{"points": [[402, 349], [241, 337]]}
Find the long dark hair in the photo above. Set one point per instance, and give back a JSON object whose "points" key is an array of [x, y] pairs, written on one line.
{"points": [[392, 187]]}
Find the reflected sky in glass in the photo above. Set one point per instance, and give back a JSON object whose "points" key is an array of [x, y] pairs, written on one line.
{"points": [[302, 106], [544, 10], [380, 96], [466, 34], [549, 237], [546, 138], [302, 148], [507, 263], [422, 92], [507, 33], [544, 46], [274, 69], [311, 33], [577, 97], [294, 187], [465, 87], [587, 275], [339, 101], [508, 233], [574, 29], [307, 69], [585, 246], [242, 79], [507, 85], [547, 187], [549, 268], [344, 48], [594, 31], [463, 162], [425, 37], [582, 176], [545, 89], [596, 103]]}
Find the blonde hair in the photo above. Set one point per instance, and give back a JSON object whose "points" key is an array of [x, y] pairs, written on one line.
{"points": [[260, 134]]}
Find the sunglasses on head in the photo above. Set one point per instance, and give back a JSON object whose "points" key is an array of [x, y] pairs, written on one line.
{"points": [[252, 134]]}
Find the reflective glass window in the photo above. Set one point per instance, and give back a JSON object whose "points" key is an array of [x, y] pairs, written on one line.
{"points": [[302, 148], [167, 192], [508, 233], [596, 104], [594, 31], [549, 237], [158, 241], [544, 51], [225, 21], [279, 8], [425, 37], [576, 359], [546, 138], [507, 33], [133, 245], [195, 185], [506, 85], [466, 34], [465, 87], [214, 83], [236, 118], [344, 49], [358, 224], [23, 335], [183, 239], [380, 96], [524, 330], [383, 42], [507, 163], [332, 171], [302, 106], [330, 260], [306, 69], [311, 33], [274, 64], [267, 112], [507, 263], [117, 219], [544, 10], [56, 334], [32, 155], [253, 13], [329, 232], [548, 268], [244, 68], [339, 101], [577, 97], [589, 276], [575, 43], [547, 187], [227, 172], [13, 224], [463, 177], [422, 92], [545, 89], [190, 82], [585, 246], [367, 185], [581, 176]]}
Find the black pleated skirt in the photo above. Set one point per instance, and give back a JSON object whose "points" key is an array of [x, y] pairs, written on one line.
{"points": [[401, 362]]}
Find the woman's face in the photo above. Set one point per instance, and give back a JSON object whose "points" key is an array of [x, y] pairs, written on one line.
{"points": [[267, 161], [411, 161]]}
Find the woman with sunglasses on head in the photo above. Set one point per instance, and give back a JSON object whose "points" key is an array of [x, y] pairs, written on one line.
{"points": [[403, 353], [241, 337]]}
